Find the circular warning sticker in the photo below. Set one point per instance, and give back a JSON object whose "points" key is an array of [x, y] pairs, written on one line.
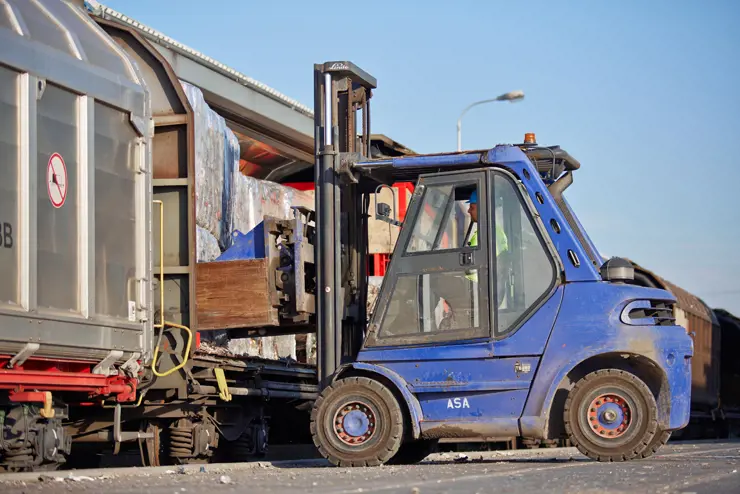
{"points": [[56, 180]]}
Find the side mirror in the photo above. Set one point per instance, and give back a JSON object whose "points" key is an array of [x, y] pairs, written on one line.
{"points": [[617, 270], [383, 213], [383, 210]]}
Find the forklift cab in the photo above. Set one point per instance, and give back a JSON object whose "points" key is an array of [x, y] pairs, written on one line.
{"points": [[456, 277]]}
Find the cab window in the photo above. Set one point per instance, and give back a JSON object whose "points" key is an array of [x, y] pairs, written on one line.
{"points": [[444, 221], [525, 272]]}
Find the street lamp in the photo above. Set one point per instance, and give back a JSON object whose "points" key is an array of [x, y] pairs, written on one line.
{"points": [[512, 97]]}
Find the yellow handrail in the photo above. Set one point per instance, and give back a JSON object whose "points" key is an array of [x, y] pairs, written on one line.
{"points": [[164, 323], [161, 263], [187, 352]]}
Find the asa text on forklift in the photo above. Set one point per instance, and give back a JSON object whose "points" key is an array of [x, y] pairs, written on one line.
{"points": [[457, 403]]}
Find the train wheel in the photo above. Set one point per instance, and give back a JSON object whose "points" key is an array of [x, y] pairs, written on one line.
{"points": [[611, 415], [31, 442], [151, 448], [357, 422]]}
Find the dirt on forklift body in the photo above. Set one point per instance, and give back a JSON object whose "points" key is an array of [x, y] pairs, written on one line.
{"points": [[497, 315]]}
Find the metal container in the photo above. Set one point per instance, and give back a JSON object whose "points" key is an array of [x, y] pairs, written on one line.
{"points": [[75, 189], [730, 364]]}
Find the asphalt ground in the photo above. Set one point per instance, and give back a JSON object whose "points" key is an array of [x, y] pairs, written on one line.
{"points": [[703, 467]]}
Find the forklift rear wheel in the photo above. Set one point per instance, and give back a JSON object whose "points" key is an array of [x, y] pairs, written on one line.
{"points": [[611, 415], [357, 422]]}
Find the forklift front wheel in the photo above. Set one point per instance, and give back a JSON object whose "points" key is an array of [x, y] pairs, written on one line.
{"points": [[611, 415], [357, 422]]}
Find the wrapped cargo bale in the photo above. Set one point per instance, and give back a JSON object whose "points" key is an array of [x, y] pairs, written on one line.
{"points": [[244, 347], [311, 348], [252, 199], [285, 346], [268, 347], [210, 133], [206, 245]]}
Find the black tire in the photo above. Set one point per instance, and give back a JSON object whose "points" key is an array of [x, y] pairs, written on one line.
{"points": [[625, 397], [659, 440], [382, 423], [413, 452]]}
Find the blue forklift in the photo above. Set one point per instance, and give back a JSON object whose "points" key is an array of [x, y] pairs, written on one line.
{"points": [[497, 316]]}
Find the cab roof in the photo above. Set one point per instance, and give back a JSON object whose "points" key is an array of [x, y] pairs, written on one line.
{"points": [[550, 162]]}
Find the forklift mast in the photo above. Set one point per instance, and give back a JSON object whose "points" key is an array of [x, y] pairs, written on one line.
{"points": [[342, 93]]}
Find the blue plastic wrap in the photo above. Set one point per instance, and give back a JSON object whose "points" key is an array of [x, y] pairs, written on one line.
{"points": [[249, 245]]}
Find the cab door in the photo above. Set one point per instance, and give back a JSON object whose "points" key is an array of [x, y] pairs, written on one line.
{"points": [[467, 338], [433, 320], [528, 273], [436, 289]]}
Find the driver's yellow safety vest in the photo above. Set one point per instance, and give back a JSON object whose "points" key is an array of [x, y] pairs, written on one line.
{"points": [[502, 245]]}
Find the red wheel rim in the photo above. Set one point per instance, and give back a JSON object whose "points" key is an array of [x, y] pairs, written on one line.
{"points": [[609, 416]]}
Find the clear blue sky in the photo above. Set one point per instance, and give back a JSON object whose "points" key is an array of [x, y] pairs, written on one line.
{"points": [[647, 97]]}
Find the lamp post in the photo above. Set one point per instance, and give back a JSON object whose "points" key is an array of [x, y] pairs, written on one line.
{"points": [[511, 96]]}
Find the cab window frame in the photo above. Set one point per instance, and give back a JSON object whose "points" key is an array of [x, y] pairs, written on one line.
{"points": [[545, 242]]}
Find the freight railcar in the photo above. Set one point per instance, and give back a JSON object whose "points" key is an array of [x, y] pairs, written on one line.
{"points": [[101, 293], [729, 408], [715, 392]]}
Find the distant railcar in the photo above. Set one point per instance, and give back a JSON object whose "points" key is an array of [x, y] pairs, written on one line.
{"points": [[715, 390]]}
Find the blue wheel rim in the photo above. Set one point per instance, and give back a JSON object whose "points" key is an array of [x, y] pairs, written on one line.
{"points": [[355, 423], [609, 416]]}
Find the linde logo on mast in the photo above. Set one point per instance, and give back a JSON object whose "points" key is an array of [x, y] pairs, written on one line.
{"points": [[457, 403]]}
